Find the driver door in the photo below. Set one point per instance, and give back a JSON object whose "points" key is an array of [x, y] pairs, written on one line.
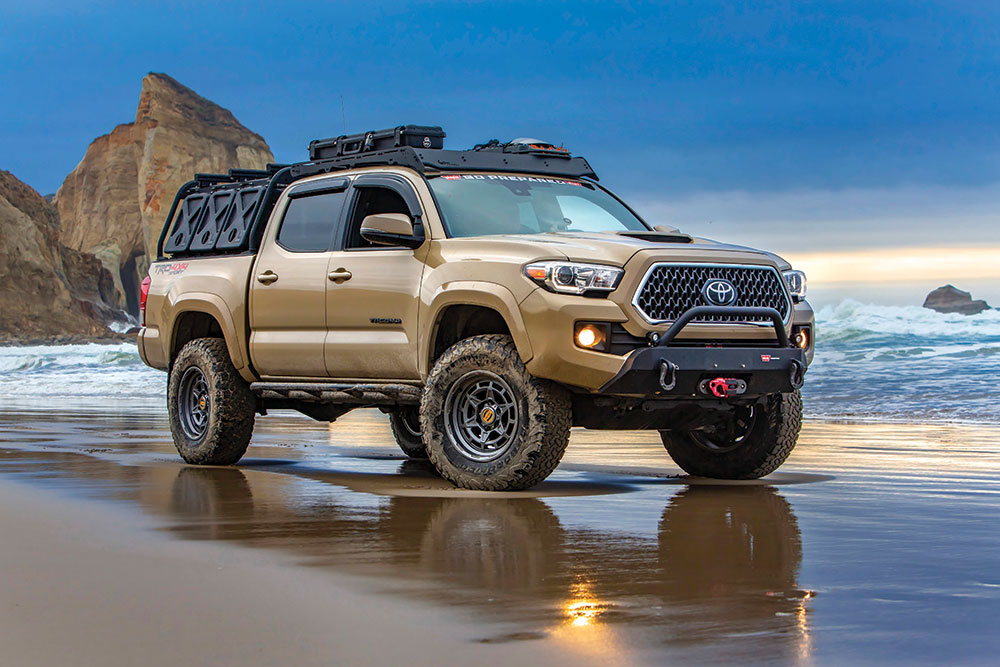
{"points": [[373, 292]]}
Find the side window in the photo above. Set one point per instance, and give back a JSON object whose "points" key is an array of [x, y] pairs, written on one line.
{"points": [[310, 222], [370, 200]]}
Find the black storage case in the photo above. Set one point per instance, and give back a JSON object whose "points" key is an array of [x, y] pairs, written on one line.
{"points": [[415, 136]]}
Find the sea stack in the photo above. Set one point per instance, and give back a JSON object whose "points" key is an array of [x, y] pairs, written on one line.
{"points": [[950, 299], [114, 202]]}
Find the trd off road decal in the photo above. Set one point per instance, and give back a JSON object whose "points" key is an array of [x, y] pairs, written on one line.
{"points": [[171, 269]]}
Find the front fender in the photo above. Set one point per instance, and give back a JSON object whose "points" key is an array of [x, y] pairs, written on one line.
{"points": [[472, 293]]}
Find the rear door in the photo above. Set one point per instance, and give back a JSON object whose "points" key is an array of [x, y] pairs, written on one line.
{"points": [[289, 281]]}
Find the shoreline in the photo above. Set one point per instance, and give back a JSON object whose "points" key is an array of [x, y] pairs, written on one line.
{"points": [[75, 339]]}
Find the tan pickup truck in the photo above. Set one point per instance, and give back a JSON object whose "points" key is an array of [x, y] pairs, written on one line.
{"points": [[488, 300]]}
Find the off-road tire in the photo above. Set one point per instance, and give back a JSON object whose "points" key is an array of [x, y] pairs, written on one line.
{"points": [[402, 421], [770, 440], [230, 405], [542, 432]]}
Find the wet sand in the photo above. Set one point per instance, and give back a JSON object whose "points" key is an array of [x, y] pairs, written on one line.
{"points": [[875, 543]]}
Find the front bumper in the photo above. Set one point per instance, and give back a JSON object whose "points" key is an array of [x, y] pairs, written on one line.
{"points": [[669, 370], [674, 372]]}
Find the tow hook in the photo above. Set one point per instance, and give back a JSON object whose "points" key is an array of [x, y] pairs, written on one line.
{"points": [[668, 367], [796, 374], [723, 387]]}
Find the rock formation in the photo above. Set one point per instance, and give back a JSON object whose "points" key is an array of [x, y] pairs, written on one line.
{"points": [[949, 299], [46, 289], [114, 202]]}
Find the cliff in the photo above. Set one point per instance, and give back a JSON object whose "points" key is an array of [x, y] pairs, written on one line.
{"points": [[46, 289], [114, 202]]}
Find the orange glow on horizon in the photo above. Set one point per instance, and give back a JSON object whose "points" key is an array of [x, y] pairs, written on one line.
{"points": [[899, 264]]}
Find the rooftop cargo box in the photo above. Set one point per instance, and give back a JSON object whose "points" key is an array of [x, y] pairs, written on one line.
{"points": [[415, 136]]}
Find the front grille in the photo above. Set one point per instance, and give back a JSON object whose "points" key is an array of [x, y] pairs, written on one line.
{"points": [[671, 289]]}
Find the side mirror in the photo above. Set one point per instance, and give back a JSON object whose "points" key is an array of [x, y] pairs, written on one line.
{"points": [[390, 229], [666, 228]]}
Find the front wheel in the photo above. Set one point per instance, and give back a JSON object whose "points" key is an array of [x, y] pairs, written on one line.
{"points": [[211, 407], [489, 424], [755, 441]]}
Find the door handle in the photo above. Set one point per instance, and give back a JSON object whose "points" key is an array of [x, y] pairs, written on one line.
{"points": [[267, 277], [340, 275]]}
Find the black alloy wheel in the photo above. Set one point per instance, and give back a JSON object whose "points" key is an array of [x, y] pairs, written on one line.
{"points": [[726, 438], [482, 415], [193, 403]]}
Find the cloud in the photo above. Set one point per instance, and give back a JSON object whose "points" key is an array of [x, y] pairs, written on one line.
{"points": [[854, 219]]}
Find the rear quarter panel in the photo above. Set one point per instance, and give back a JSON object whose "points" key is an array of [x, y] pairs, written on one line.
{"points": [[213, 285]]}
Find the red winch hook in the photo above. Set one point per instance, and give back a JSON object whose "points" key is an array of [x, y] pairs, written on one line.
{"points": [[719, 387]]}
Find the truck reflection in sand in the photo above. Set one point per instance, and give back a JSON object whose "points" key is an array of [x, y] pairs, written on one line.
{"points": [[722, 570]]}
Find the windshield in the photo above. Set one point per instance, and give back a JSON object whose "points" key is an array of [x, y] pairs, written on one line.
{"points": [[484, 204]]}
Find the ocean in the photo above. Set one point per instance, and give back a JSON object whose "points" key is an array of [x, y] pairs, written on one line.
{"points": [[873, 362]]}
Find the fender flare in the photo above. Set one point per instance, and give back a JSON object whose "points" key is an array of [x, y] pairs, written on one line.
{"points": [[210, 304], [473, 293]]}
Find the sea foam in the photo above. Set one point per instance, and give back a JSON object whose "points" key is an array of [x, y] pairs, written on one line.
{"points": [[872, 362]]}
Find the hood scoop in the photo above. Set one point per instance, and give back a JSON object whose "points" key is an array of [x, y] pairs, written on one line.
{"points": [[673, 236]]}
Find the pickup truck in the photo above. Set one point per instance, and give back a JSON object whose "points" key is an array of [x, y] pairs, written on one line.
{"points": [[487, 300]]}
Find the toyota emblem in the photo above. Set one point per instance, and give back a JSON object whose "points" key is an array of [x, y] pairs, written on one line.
{"points": [[719, 292]]}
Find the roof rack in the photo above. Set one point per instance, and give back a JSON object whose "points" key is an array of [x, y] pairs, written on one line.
{"points": [[237, 175], [226, 212], [424, 160]]}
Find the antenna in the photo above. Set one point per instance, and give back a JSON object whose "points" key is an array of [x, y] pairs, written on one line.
{"points": [[343, 114]]}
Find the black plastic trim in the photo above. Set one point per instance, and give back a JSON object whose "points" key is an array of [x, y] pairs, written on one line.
{"points": [[319, 187]]}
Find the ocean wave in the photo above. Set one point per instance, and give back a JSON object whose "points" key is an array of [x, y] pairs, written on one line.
{"points": [[85, 370], [853, 321], [897, 363], [872, 362]]}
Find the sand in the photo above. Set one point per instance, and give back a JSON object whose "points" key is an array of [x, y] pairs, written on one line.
{"points": [[875, 543]]}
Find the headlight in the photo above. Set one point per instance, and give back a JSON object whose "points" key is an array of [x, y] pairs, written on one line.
{"points": [[796, 281], [574, 278]]}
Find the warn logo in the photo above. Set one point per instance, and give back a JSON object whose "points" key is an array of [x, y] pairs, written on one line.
{"points": [[767, 357]]}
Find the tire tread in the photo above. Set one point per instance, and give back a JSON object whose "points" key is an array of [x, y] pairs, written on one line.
{"points": [[549, 418], [232, 404]]}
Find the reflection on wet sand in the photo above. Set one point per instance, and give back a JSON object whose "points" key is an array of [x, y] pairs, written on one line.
{"points": [[723, 568], [619, 561], [720, 572]]}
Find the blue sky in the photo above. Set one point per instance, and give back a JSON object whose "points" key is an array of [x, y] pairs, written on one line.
{"points": [[846, 120]]}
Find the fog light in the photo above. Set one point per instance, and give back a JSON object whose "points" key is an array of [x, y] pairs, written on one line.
{"points": [[591, 336], [801, 338]]}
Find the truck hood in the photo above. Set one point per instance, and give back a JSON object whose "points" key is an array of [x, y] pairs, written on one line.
{"points": [[619, 247]]}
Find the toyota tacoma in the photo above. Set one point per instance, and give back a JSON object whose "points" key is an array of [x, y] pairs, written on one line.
{"points": [[487, 300]]}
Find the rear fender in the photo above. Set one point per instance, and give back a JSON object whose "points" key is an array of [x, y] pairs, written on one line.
{"points": [[210, 304]]}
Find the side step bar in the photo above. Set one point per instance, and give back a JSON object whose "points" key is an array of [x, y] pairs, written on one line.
{"points": [[339, 393]]}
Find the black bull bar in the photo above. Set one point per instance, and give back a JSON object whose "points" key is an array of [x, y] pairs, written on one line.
{"points": [[672, 371]]}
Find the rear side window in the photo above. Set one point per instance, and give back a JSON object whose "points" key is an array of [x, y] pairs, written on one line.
{"points": [[310, 222]]}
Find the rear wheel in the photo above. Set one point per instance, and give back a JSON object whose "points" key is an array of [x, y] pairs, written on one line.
{"points": [[405, 424], [211, 407], [488, 423], [754, 443]]}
